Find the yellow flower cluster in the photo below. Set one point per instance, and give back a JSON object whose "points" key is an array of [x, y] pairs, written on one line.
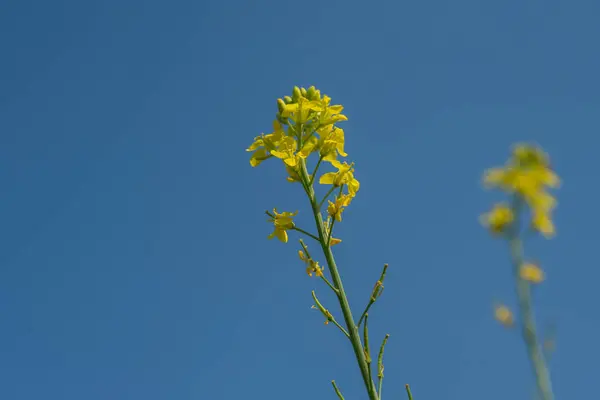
{"points": [[527, 175], [305, 124]]}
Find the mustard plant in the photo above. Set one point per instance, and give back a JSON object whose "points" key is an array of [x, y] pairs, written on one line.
{"points": [[306, 125], [525, 178]]}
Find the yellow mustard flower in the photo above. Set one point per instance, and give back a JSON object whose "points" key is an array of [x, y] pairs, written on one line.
{"points": [[300, 111], [542, 222], [287, 150], [335, 208], [532, 273], [312, 267], [334, 241], [293, 174], [504, 315], [329, 114], [526, 154], [523, 181], [498, 219], [263, 145], [282, 223], [331, 143], [344, 176]]}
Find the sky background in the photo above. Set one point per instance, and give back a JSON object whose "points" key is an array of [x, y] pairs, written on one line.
{"points": [[134, 261]]}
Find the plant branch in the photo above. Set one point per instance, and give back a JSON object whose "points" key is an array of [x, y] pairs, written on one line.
{"points": [[337, 281], [528, 327]]}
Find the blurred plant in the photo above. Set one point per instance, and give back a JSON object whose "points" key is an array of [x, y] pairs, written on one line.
{"points": [[305, 125], [525, 178]]}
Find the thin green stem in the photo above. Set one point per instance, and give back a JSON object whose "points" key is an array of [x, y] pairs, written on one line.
{"points": [[306, 233], [312, 177], [380, 365], [528, 327], [330, 233], [408, 392], [367, 348], [337, 281], [337, 292], [328, 315], [337, 391], [326, 196], [375, 294]]}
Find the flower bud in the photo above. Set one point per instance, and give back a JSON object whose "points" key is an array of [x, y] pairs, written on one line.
{"points": [[296, 94], [310, 93], [287, 99], [303, 92], [282, 120], [280, 105]]}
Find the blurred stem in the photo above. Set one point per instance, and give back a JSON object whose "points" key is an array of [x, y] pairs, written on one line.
{"points": [[354, 336], [528, 328], [408, 392]]}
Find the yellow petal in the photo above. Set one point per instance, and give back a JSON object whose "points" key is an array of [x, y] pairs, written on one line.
{"points": [[532, 273], [543, 223], [281, 235], [328, 178], [494, 176], [503, 315]]}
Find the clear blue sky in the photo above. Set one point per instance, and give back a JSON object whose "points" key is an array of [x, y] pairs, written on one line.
{"points": [[134, 262]]}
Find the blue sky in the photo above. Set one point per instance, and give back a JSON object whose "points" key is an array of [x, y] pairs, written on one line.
{"points": [[134, 261]]}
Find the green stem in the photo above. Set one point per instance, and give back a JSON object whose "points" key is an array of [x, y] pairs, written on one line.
{"points": [[337, 281], [408, 392], [306, 233], [337, 391], [375, 294], [380, 365], [326, 196], [528, 328], [312, 177]]}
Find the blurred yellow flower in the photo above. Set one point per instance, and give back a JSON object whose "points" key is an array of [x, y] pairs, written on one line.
{"points": [[532, 273], [498, 219], [504, 315], [542, 222], [344, 176], [528, 174], [282, 223]]}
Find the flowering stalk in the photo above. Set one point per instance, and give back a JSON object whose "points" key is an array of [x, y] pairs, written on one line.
{"points": [[526, 313], [525, 177], [340, 294], [306, 124]]}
